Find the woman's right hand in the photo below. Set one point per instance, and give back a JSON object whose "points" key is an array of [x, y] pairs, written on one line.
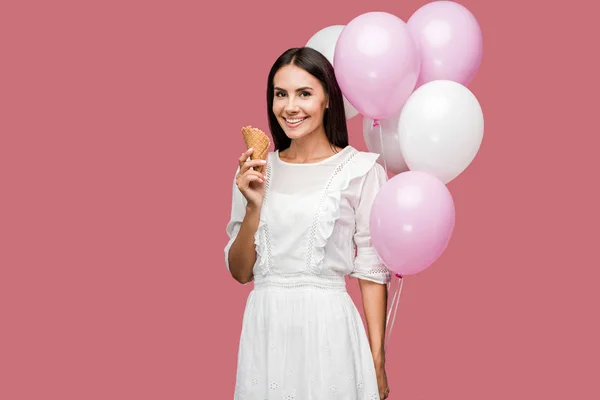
{"points": [[251, 183]]}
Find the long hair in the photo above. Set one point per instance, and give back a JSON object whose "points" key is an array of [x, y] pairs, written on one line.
{"points": [[317, 65]]}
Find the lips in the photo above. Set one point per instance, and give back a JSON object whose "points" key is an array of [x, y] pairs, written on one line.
{"points": [[294, 122]]}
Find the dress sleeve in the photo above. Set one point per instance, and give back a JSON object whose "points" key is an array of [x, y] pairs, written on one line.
{"points": [[238, 212], [367, 264]]}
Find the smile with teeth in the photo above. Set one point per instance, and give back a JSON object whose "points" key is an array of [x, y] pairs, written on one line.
{"points": [[294, 121]]}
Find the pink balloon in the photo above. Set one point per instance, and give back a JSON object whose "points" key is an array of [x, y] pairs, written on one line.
{"points": [[376, 63], [411, 222], [450, 42]]}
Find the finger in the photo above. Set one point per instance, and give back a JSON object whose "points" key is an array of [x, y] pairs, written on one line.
{"points": [[242, 159], [251, 172], [252, 163], [242, 178], [255, 173], [246, 181], [253, 178]]}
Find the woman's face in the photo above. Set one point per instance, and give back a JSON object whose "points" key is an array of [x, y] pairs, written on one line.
{"points": [[299, 101]]}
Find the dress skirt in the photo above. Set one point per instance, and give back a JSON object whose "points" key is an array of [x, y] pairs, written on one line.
{"points": [[303, 339]]}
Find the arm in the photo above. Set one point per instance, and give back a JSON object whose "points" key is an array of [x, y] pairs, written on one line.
{"points": [[240, 251], [369, 269], [374, 298]]}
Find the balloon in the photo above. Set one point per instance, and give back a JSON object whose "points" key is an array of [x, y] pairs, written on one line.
{"points": [[441, 129], [449, 40], [391, 155], [324, 42], [411, 221], [376, 64]]}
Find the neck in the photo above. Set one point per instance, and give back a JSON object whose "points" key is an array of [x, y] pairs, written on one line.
{"points": [[311, 147]]}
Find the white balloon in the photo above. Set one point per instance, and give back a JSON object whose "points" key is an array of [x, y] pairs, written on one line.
{"points": [[324, 42], [441, 129], [391, 155]]}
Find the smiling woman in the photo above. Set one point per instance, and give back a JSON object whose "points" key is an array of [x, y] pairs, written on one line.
{"points": [[304, 98], [297, 231], [296, 106]]}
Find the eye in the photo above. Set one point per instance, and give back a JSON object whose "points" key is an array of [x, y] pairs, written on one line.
{"points": [[279, 94], [305, 94]]}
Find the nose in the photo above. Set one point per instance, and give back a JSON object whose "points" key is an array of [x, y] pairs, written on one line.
{"points": [[291, 106]]}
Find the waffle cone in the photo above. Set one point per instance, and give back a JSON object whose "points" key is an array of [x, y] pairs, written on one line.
{"points": [[259, 141]]}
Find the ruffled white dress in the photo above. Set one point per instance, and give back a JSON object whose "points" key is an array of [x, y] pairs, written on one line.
{"points": [[302, 336]]}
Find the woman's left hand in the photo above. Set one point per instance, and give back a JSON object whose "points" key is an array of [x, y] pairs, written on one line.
{"points": [[384, 390]]}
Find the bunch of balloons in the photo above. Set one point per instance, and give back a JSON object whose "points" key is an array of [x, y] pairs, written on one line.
{"points": [[409, 82]]}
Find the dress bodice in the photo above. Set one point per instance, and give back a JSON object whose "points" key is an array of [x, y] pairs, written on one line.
{"points": [[315, 217]]}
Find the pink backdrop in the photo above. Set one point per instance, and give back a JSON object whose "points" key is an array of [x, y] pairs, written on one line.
{"points": [[119, 133]]}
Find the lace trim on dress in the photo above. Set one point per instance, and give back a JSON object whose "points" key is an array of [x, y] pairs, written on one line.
{"points": [[355, 165], [301, 280], [369, 256], [262, 238]]}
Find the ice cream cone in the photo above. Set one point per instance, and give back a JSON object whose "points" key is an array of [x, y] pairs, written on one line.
{"points": [[259, 141]]}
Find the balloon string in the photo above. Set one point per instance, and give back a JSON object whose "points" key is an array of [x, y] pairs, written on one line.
{"points": [[393, 307], [396, 297], [377, 123]]}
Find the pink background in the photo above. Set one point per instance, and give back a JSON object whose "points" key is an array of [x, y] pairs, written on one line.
{"points": [[119, 133]]}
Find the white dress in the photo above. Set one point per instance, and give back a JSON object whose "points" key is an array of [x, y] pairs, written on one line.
{"points": [[302, 336]]}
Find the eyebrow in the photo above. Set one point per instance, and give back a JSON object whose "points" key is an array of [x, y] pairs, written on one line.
{"points": [[297, 90]]}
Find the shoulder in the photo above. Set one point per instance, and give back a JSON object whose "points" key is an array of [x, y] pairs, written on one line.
{"points": [[364, 176], [360, 167], [366, 155], [364, 163], [369, 174]]}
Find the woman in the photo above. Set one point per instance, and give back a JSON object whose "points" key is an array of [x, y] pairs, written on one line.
{"points": [[297, 230]]}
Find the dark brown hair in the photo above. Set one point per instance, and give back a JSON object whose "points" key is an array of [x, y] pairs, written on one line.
{"points": [[318, 66]]}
